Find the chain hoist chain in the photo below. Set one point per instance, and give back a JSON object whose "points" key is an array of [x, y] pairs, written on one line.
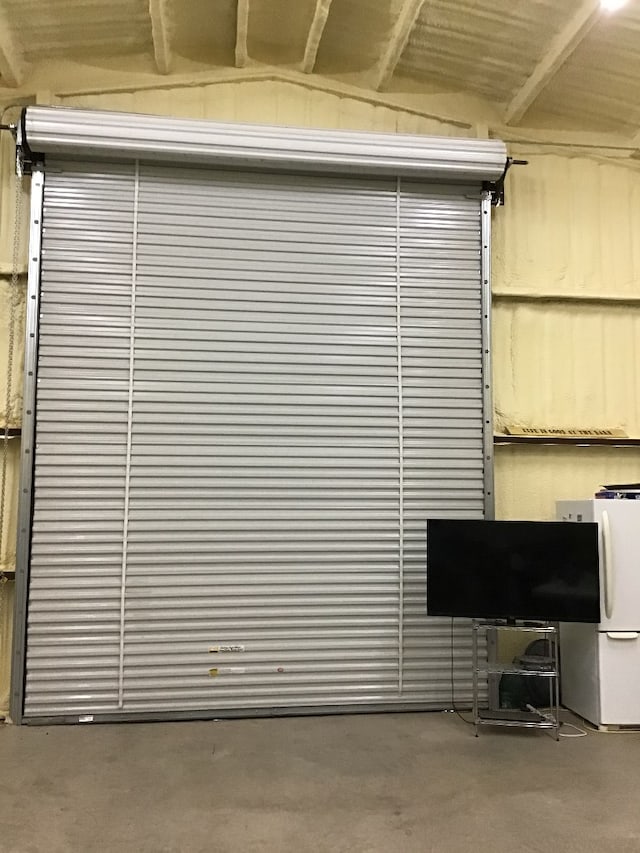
{"points": [[14, 296]]}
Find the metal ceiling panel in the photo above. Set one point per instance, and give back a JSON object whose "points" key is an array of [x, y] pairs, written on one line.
{"points": [[487, 47], [278, 29], [80, 28], [599, 86], [203, 30]]}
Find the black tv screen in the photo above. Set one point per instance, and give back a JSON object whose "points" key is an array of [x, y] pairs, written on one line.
{"points": [[528, 570]]}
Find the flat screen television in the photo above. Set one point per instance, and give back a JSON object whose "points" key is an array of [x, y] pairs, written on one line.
{"points": [[526, 570]]}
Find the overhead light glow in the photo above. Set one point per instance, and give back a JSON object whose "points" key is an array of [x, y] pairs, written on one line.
{"points": [[613, 5]]}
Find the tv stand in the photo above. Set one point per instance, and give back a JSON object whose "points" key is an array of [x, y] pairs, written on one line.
{"points": [[531, 715]]}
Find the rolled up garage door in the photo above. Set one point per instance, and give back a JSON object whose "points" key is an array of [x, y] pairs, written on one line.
{"points": [[253, 387]]}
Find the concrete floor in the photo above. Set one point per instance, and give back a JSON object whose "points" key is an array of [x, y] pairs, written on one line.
{"points": [[383, 783]]}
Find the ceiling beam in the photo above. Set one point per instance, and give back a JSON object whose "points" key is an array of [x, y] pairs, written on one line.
{"points": [[160, 35], [12, 65], [559, 51], [315, 34], [398, 39], [242, 32]]}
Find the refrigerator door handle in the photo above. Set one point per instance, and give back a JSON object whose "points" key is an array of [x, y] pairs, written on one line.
{"points": [[622, 635], [607, 557]]}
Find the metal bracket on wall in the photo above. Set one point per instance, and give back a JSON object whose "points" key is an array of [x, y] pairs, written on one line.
{"points": [[24, 157], [496, 188]]}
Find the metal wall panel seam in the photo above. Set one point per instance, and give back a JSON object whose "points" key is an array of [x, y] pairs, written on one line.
{"points": [[487, 396], [400, 449], [127, 479], [25, 500]]}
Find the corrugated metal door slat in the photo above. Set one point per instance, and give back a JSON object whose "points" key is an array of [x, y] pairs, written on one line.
{"points": [[445, 227], [256, 539], [251, 574], [74, 613]]}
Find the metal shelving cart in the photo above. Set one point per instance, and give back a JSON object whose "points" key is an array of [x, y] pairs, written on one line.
{"points": [[532, 716]]}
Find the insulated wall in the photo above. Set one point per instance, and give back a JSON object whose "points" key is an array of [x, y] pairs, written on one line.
{"points": [[253, 389]]}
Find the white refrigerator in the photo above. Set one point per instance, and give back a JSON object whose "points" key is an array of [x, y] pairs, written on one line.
{"points": [[600, 664]]}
